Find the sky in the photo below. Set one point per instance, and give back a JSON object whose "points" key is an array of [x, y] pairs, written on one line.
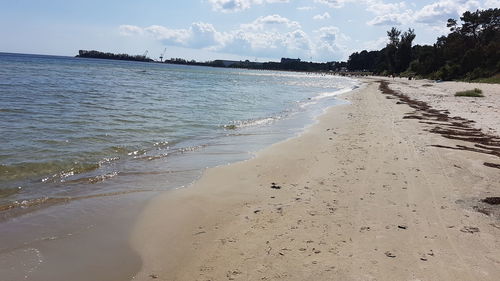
{"points": [[257, 30]]}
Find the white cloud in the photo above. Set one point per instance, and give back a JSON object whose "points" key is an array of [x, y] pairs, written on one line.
{"points": [[270, 21], [442, 10], [432, 15], [399, 13], [379, 7], [374, 45], [324, 16], [173, 36], [305, 8], [130, 30], [331, 42], [229, 6], [391, 19], [388, 13], [204, 35], [295, 43], [491, 4], [374, 6], [199, 35]]}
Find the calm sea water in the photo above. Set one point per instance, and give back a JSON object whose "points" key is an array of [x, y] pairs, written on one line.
{"points": [[76, 128]]}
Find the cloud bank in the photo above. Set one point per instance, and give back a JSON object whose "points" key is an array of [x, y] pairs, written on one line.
{"points": [[266, 36]]}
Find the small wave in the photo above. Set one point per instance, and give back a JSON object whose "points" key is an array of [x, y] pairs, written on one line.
{"points": [[250, 123], [130, 121], [93, 180], [332, 94], [46, 201], [75, 170], [165, 172], [136, 152], [13, 110], [240, 134], [53, 142], [170, 153], [152, 157], [56, 169], [161, 144], [308, 103], [190, 148], [108, 160]]}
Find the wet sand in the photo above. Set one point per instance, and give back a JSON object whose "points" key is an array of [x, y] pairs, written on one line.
{"points": [[90, 242], [364, 194]]}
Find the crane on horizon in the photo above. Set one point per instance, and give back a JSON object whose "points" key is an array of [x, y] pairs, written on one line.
{"points": [[162, 54]]}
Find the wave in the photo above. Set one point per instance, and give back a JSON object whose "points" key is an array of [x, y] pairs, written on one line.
{"points": [[325, 95], [268, 120], [333, 94], [57, 169], [94, 179], [42, 201], [251, 122], [13, 110], [73, 171]]}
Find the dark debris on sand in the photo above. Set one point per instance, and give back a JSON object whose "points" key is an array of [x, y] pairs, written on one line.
{"points": [[275, 186], [491, 165], [492, 200], [456, 128]]}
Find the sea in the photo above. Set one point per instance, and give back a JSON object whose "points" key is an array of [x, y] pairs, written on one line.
{"points": [[75, 130]]}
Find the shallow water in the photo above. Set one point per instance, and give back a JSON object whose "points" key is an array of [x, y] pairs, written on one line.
{"points": [[77, 127], [85, 143]]}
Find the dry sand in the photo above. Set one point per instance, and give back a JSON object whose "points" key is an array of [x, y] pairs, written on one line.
{"points": [[485, 111], [361, 195]]}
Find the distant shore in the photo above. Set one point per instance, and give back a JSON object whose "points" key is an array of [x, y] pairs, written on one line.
{"points": [[372, 191]]}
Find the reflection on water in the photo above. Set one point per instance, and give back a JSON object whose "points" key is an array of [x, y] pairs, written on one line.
{"points": [[69, 123]]}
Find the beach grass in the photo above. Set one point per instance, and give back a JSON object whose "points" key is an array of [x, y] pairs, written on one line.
{"points": [[470, 93], [495, 79]]}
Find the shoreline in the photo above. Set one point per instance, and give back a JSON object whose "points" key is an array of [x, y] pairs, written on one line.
{"points": [[41, 242], [361, 195], [22, 195]]}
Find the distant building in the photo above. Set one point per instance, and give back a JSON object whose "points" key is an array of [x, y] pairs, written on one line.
{"points": [[226, 63], [288, 60], [233, 63]]}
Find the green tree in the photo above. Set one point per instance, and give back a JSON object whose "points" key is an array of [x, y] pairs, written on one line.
{"points": [[392, 48], [404, 50], [398, 51]]}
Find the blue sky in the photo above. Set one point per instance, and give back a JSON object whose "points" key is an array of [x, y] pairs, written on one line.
{"points": [[317, 30]]}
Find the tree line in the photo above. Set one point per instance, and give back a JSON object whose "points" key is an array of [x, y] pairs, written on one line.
{"points": [[110, 56], [470, 51], [287, 64]]}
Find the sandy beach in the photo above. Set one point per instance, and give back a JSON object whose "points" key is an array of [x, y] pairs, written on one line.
{"points": [[363, 194]]}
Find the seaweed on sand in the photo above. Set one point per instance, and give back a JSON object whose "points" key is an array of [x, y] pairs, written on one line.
{"points": [[456, 128]]}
